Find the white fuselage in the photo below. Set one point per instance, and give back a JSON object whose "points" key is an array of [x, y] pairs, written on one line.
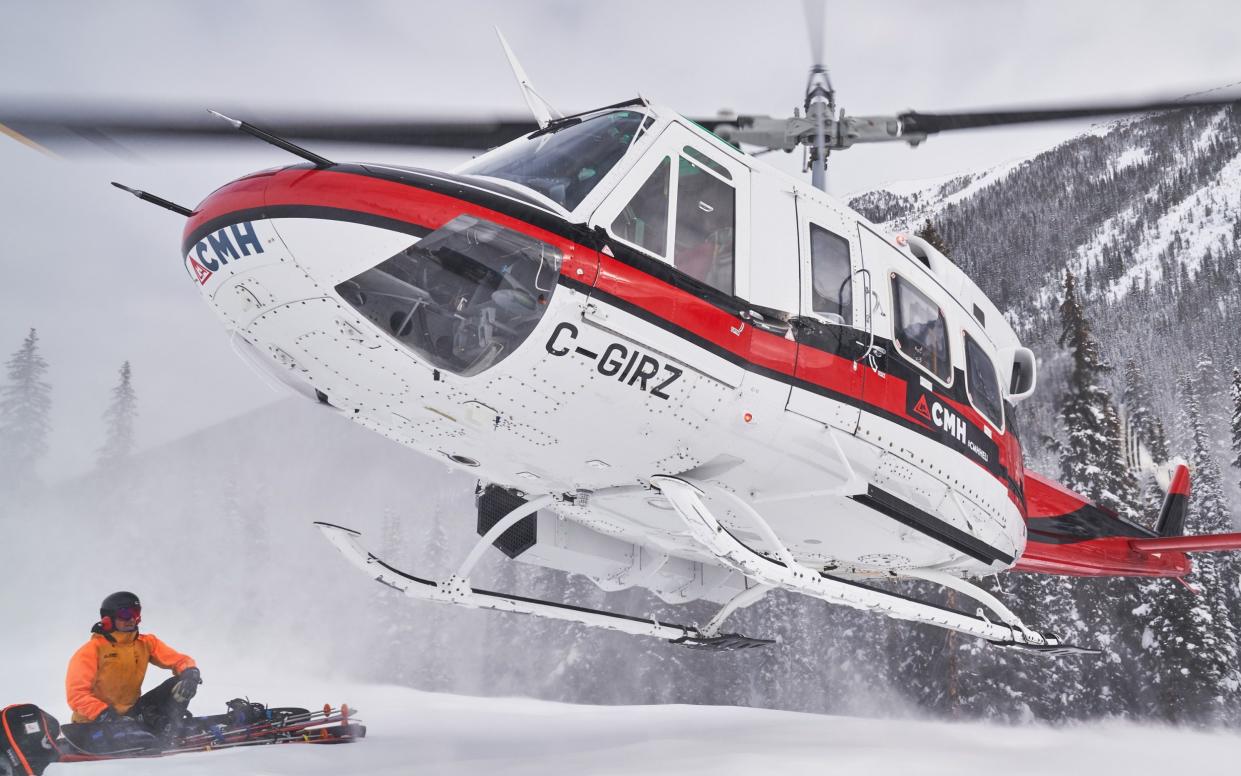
{"points": [[607, 390]]}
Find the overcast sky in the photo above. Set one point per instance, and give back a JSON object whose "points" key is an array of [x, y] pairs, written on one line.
{"points": [[98, 273]]}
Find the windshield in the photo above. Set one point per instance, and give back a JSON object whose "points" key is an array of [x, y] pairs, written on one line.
{"points": [[563, 163]]}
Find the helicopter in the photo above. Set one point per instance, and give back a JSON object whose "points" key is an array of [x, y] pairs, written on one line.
{"points": [[670, 365]]}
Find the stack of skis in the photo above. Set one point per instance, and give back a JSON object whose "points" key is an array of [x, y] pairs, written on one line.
{"points": [[31, 739]]}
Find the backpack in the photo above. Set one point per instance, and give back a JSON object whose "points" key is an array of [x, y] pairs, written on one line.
{"points": [[27, 740]]}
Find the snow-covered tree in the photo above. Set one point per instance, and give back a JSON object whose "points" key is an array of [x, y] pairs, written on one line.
{"points": [[1139, 408], [1093, 464], [119, 420], [25, 415], [929, 233], [395, 617], [1092, 460], [1144, 423], [1235, 391], [1195, 637], [433, 622]]}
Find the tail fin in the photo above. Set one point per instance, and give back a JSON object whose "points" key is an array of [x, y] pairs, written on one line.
{"points": [[1172, 514]]}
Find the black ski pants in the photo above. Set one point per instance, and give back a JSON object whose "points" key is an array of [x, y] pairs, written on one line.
{"points": [[157, 709]]}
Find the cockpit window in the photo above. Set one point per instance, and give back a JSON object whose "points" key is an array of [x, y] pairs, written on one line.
{"points": [[644, 221], [921, 330], [463, 297], [565, 161], [705, 226]]}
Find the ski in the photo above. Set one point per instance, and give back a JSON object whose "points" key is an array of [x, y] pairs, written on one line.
{"points": [[278, 726]]}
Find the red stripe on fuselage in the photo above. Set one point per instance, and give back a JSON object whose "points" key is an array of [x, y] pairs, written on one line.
{"points": [[410, 204], [388, 199]]}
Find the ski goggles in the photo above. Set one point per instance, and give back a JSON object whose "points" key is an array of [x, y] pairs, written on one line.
{"points": [[129, 613]]}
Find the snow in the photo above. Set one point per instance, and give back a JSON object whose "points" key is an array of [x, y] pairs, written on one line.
{"points": [[1130, 157], [411, 731], [929, 193], [1203, 220]]}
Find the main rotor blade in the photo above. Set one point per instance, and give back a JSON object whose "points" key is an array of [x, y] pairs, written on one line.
{"points": [[48, 126], [815, 12], [915, 123]]}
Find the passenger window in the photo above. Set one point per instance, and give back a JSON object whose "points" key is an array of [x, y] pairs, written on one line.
{"points": [[706, 208], [831, 292], [981, 383], [644, 221], [921, 331]]}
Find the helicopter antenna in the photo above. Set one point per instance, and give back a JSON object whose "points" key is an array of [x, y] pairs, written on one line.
{"points": [[154, 200], [278, 142], [820, 104], [538, 104]]}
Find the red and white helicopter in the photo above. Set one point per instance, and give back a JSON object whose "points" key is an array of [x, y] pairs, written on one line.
{"points": [[670, 365]]}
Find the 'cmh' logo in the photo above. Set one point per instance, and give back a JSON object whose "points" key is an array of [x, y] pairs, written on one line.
{"points": [[216, 250], [942, 417]]}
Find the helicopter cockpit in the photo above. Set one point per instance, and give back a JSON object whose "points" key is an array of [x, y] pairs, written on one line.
{"points": [[463, 297], [565, 160]]}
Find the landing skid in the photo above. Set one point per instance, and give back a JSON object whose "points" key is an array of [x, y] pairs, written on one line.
{"points": [[761, 572], [456, 590], [785, 572]]}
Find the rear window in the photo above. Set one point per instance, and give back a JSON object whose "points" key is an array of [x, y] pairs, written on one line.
{"points": [[982, 384], [831, 292], [921, 330]]}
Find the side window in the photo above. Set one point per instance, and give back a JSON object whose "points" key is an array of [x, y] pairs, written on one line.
{"points": [[921, 331], [644, 221], [706, 220], [831, 293], [981, 383]]}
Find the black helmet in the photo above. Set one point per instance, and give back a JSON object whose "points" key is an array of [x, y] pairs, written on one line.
{"points": [[114, 603]]}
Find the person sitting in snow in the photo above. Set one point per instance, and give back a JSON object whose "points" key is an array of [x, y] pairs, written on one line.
{"points": [[105, 676]]}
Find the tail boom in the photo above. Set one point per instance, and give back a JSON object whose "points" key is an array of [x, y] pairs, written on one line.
{"points": [[1071, 536]]}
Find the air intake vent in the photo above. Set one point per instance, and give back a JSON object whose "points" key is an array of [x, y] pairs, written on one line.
{"points": [[979, 315], [494, 502]]}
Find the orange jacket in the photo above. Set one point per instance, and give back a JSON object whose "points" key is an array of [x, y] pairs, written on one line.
{"points": [[103, 673]]}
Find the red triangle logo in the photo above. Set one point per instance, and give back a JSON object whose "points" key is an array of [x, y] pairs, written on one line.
{"points": [[921, 407], [201, 273]]}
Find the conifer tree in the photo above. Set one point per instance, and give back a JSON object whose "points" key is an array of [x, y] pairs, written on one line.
{"points": [[1235, 390], [1092, 460], [929, 233], [1092, 463], [25, 414], [119, 418], [1195, 637], [1144, 423], [1143, 419], [433, 631]]}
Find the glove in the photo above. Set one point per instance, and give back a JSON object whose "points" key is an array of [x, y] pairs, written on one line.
{"points": [[110, 715], [187, 688]]}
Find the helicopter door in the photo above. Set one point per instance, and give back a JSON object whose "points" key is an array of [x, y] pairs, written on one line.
{"points": [[831, 333], [684, 204]]}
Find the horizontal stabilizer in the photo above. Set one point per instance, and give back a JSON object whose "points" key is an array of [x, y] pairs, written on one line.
{"points": [[1205, 543], [1175, 504]]}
